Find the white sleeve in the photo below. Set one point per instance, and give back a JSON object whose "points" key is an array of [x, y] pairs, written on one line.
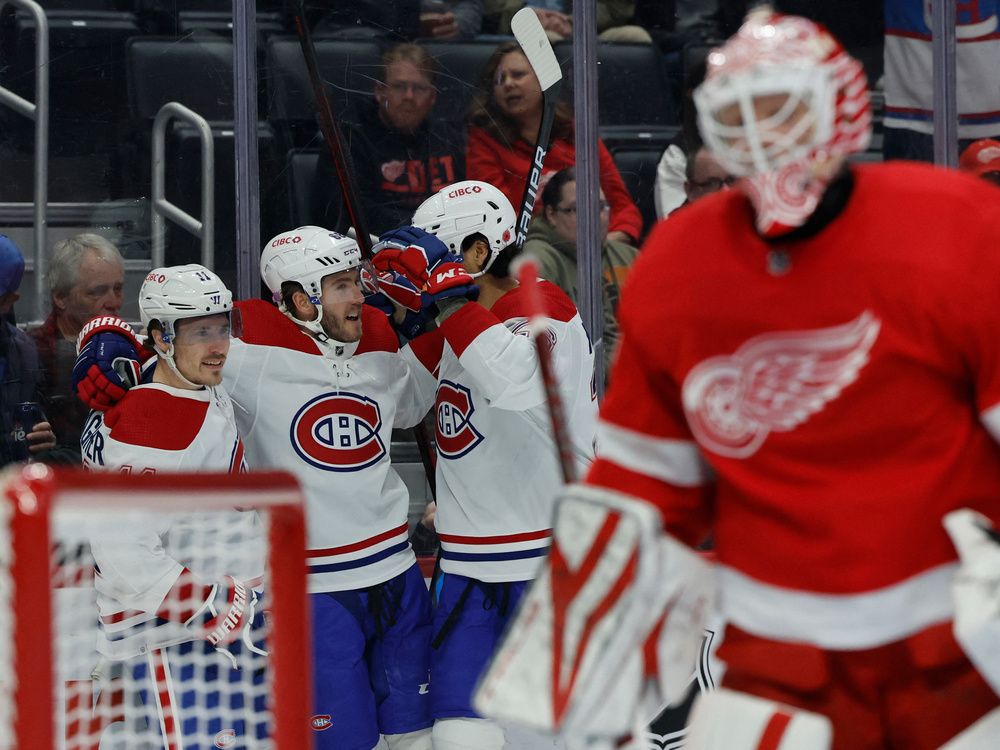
{"points": [[418, 389], [668, 188], [504, 366], [133, 566]]}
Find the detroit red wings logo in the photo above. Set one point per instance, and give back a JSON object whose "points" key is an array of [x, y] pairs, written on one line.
{"points": [[773, 382], [456, 435], [338, 432]]}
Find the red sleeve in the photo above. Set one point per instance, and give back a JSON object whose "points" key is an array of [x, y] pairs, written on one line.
{"points": [[377, 333], [487, 160], [265, 325], [625, 216]]}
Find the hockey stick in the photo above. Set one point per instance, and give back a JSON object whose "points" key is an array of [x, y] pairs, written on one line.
{"points": [[348, 186], [331, 133], [528, 31], [527, 271]]}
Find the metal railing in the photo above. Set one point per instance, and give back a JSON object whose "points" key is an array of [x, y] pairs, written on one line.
{"points": [[162, 208], [38, 111]]}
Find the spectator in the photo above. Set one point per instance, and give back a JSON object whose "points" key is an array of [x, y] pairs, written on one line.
{"points": [[505, 117], [400, 155], [450, 19], [19, 360], [704, 175], [86, 276], [552, 239], [982, 159], [614, 19]]}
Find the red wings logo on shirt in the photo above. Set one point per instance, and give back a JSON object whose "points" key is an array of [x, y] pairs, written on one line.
{"points": [[773, 382]]}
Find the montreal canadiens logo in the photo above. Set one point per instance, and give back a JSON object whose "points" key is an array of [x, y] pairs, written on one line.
{"points": [[225, 739], [338, 432], [319, 722], [455, 434]]}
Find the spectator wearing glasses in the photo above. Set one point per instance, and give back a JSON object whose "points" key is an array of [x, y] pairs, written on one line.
{"points": [[400, 154], [552, 240], [704, 175]]}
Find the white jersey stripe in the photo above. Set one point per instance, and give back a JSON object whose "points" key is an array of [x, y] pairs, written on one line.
{"points": [[837, 621], [676, 461]]}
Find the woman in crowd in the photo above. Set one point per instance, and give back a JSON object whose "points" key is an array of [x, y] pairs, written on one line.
{"points": [[504, 124]]}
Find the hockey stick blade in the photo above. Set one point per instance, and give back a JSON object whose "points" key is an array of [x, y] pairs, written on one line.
{"points": [[528, 32], [537, 49]]}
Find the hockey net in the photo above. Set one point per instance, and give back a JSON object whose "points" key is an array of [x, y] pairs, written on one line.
{"points": [[104, 643]]}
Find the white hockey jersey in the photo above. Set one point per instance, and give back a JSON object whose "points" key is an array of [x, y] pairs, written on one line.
{"points": [[497, 470], [140, 558], [327, 416]]}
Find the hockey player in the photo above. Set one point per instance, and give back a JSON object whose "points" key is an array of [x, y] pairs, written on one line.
{"points": [[491, 417], [162, 585], [318, 384], [817, 388]]}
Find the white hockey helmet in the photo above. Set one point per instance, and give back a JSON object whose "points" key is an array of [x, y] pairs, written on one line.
{"points": [[465, 208], [306, 255], [180, 292]]}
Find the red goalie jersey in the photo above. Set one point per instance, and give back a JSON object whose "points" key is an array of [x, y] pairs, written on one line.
{"points": [[817, 405]]}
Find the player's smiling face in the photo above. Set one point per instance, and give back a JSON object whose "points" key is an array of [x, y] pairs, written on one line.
{"points": [[200, 348], [341, 300]]}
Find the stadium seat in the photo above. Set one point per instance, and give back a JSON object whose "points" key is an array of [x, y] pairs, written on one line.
{"points": [[301, 171], [198, 73], [638, 170], [349, 67], [632, 86], [86, 89], [221, 23], [460, 66]]}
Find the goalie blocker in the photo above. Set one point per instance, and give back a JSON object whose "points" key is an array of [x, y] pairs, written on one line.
{"points": [[616, 603]]}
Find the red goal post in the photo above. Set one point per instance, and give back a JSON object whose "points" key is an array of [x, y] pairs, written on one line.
{"points": [[49, 621]]}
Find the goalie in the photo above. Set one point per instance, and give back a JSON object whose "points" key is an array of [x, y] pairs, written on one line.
{"points": [[817, 389]]}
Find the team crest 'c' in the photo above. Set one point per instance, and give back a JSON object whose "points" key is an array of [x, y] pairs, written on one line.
{"points": [[338, 432], [455, 434], [773, 383]]}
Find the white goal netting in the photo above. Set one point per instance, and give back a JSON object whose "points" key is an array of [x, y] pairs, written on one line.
{"points": [[158, 591]]}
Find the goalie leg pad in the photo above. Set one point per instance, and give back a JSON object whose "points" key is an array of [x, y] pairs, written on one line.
{"points": [[573, 659], [728, 720], [980, 736], [467, 734]]}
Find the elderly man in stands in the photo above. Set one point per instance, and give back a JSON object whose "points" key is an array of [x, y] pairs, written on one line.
{"points": [[86, 275]]}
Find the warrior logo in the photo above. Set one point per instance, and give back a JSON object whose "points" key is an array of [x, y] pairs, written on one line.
{"points": [[773, 382], [338, 432], [455, 434]]}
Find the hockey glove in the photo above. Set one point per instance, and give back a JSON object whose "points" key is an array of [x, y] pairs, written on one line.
{"points": [[411, 252], [108, 362], [450, 279], [976, 591], [228, 614]]}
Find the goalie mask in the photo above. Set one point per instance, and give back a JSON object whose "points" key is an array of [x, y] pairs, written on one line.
{"points": [[465, 208], [306, 255], [170, 295], [782, 104]]}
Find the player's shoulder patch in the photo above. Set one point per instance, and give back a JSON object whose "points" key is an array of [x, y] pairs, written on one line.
{"points": [[377, 334], [152, 418], [265, 325], [514, 304]]}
